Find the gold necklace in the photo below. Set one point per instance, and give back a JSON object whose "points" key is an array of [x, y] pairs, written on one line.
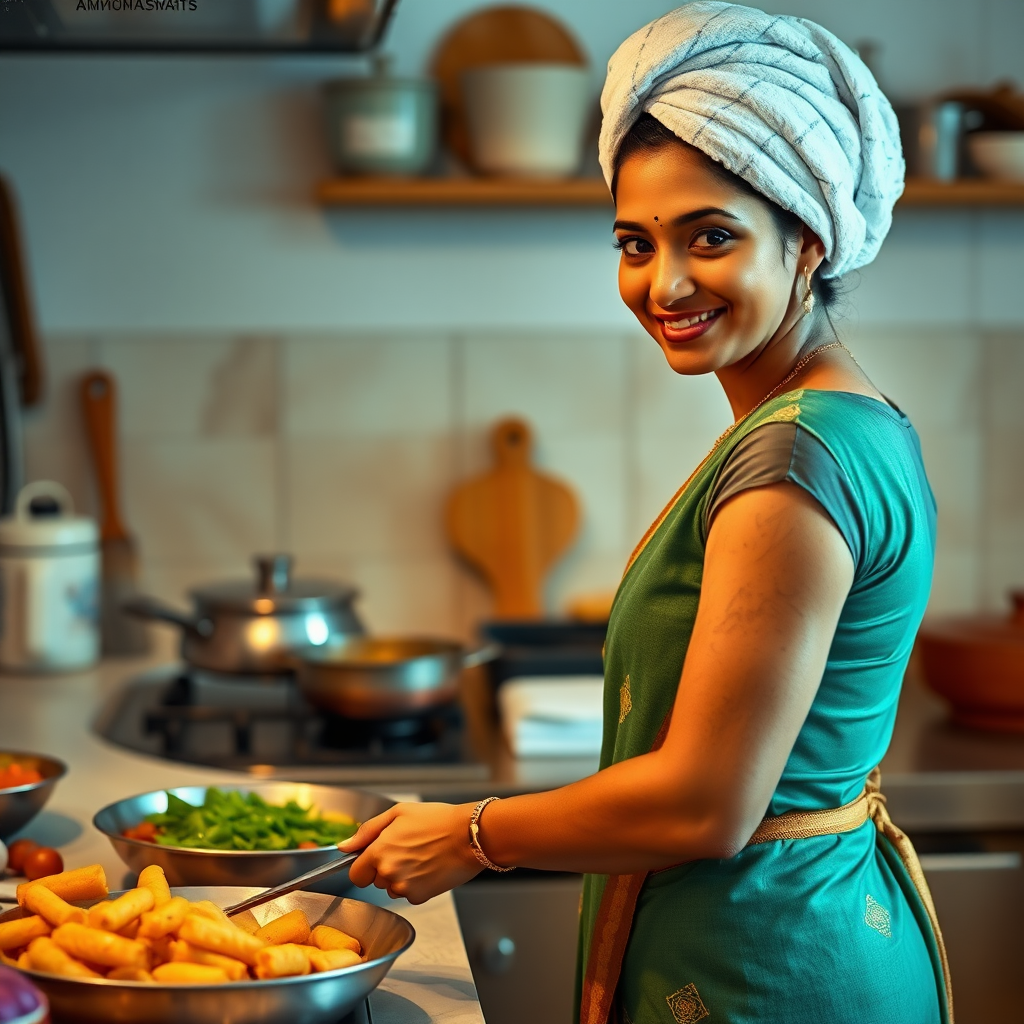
{"points": [[771, 394]]}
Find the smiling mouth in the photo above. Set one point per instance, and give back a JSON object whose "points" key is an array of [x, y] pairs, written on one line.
{"points": [[692, 321]]}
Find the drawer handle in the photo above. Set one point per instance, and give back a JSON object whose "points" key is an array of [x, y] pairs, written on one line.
{"points": [[970, 861]]}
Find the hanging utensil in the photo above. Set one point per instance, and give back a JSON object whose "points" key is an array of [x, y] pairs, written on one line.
{"points": [[119, 633], [18, 307]]}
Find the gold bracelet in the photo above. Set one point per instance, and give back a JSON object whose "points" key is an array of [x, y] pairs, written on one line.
{"points": [[474, 836]]}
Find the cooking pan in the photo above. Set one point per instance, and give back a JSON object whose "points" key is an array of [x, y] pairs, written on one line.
{"points": [[386, 677]]}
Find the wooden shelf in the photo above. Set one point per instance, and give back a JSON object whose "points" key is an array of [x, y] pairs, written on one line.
{"points": [[464, 192], [966, 192], [593, 192]]}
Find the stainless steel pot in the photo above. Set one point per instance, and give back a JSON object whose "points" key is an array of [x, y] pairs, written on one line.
{"points": [[385, 677], [245, 627]]}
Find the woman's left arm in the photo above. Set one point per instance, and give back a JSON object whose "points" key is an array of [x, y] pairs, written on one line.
{"points": [[776, 575]]}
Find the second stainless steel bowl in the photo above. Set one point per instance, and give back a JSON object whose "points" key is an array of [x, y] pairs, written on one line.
{"points": [[232, 867], [20, 804]]}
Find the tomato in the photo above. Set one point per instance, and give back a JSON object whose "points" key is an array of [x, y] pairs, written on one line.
{"points": [[144, 831], [42, 861], [16, 774], [308, 844], [17, 852]]}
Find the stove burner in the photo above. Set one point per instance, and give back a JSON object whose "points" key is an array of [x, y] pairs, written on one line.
{"points": [[422, 733], [244, 722]]}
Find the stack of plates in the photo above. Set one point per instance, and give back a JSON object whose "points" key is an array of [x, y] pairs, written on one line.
{"points": [[552, 716]]}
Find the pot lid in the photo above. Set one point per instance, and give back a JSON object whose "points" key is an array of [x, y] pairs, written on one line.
{"points": [[273, 591], [44, 517]]}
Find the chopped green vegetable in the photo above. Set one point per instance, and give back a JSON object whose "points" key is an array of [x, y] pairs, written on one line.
{"points": [[229, 820]]}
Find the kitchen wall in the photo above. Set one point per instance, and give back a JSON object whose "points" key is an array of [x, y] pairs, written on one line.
{"points": [[316, 380]]}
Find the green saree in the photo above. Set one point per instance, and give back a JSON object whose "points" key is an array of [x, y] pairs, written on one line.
{"points": [[828, 929]]}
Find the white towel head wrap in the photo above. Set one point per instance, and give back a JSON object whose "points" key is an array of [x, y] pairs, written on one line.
{"points": [[780, 102]]}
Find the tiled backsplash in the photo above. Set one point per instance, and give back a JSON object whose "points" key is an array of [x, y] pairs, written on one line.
{"points": [[341, 449]]}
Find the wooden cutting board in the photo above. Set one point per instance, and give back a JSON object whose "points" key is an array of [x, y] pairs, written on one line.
{"points": [[513, 523], [494, 35]]}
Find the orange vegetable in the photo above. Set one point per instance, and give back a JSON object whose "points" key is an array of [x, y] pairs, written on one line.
{"points": [[42, 861], [18, 851], [15, 774], [144, 831]]}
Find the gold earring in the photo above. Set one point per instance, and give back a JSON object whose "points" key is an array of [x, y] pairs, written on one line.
{"points": [[808, 302]]}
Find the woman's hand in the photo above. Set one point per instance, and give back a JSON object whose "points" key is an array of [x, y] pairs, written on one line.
{"points": [[414, 850]]}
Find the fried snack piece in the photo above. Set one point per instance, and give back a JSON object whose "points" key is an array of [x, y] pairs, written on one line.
{"points": [[45, 955], [326, 937], [333, 959], [21, 932], [189, 974], [23, 961], [51, 908], [6, 960], [88, 883], [204, 908], [246, 920], [129, 974], [292, 927], [281, 961], [159, 949], [153, 878], [183, 952], [163, 920], [100, 947], [113, 915], [225, 939]]}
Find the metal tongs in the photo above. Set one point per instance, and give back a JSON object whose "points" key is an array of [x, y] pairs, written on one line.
{"points": [[300, 882]]}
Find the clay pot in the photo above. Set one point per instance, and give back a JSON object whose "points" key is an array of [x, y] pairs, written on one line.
{"points": [[977, 665]]}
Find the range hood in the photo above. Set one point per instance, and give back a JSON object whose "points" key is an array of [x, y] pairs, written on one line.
{"points": [[193, 26]]}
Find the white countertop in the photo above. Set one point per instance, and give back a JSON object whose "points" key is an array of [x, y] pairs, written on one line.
{"points": [[53, 715]]}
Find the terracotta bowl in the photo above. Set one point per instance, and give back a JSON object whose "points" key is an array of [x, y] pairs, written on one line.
{"points": [[977, 665]]}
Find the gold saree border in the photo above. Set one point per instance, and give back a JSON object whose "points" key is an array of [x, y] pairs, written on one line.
{"points": [[611, 934]]}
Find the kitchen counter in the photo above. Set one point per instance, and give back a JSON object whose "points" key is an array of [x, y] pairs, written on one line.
{"points": [[432, 982]]}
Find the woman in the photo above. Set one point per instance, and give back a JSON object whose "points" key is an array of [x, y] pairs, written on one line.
{"points": [[740, 865]]}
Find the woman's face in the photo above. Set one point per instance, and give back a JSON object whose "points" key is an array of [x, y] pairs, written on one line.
{"points": [[702, 267]]}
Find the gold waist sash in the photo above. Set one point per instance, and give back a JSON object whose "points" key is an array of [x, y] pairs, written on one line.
{"points": [[835, 820]]}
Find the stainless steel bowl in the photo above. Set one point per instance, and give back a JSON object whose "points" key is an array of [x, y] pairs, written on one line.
{"points": [[311, 999], [20, 804], [233, 867]]}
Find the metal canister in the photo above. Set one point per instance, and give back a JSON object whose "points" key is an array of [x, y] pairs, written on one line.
{"points": [[932, 136], [381, 124], [49, 583]]}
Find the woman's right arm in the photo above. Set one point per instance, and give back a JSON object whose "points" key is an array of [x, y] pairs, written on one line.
{"points": [[777, 572]]}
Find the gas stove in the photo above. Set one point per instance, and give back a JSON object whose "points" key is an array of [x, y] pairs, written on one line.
{"points": [[262, 725]]}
